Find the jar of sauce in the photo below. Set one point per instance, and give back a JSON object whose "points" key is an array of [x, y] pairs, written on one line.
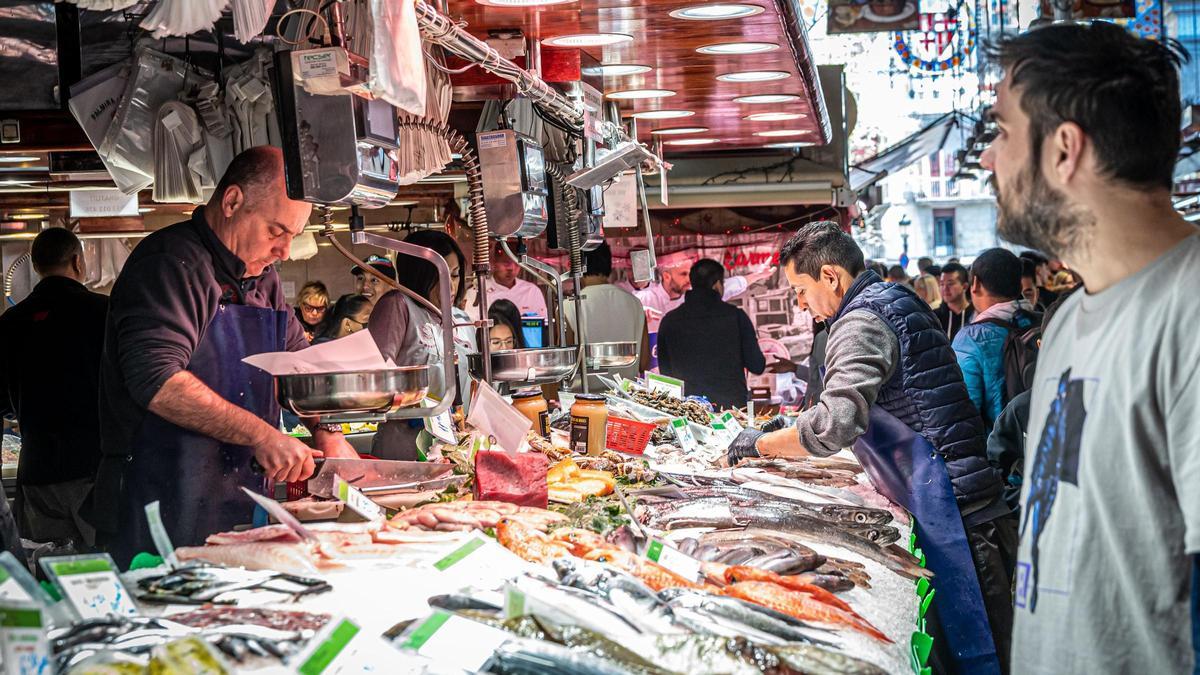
{"points": [[532, 405], [589, 420]]}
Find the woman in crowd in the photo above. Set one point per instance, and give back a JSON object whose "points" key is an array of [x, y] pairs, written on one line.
{"points": [[926, 287], [410, 334], [312, 308], [350, 315], [505, 332]]}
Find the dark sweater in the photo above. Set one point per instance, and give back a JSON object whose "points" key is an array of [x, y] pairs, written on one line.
{"points": [[50, 346], [709, 344], [163, 301]]}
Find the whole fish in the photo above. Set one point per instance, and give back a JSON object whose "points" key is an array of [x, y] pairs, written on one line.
{"points": [[520, 656], [590, 642], [628, 596], [679, 514], [839, 512], [649, 572], [817, 661], [771, 514], [735, 574], [801, 606], [803, 558], [741, 617]]}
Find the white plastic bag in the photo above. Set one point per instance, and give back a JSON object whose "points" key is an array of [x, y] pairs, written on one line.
{"points": [[94, 103], [397, 62]]}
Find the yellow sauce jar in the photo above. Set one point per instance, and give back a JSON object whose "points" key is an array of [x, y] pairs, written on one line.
{"points": [[532, 405], [589, 420]]}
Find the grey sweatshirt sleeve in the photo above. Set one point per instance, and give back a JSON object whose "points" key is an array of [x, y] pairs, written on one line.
{"points": [[861, 356]]}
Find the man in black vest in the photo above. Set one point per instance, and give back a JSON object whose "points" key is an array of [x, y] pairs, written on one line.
{"points": [[886, 349]]}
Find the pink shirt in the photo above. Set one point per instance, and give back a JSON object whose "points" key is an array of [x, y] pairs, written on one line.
{"points": [[527, 296]]}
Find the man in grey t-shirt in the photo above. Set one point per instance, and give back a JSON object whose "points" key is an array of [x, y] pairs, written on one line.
{"points": [[1089, 120]]}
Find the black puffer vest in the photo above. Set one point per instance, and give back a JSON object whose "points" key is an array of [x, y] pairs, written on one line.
{"points": [[926, 392]]}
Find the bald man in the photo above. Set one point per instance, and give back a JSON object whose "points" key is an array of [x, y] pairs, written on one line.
{"points": [[183, 421]]}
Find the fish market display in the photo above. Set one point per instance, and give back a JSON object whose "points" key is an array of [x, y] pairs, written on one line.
{"points": [[803, 606], [199, 583], [839, 473]]}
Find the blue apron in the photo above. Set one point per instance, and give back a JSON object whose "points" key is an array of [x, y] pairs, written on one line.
{"points": [[197, 479], [904, 468]]}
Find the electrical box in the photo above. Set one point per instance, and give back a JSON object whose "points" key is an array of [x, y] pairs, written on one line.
{"points": [[515, 189], [337, 149]]}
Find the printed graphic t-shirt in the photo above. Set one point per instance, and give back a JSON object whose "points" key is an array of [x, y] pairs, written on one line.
{"points": [[1111, 501]]}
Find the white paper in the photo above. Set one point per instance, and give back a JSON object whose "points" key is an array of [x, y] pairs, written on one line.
{"points": [[491, 415], [357, 351]]}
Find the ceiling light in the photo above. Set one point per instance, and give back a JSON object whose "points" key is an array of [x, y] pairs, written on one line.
{"points": [[755, 76], [615, 69], [16, 159], [672, 131], [767, 98], [28, 216], [716, 11], [738, 48], [776, 133], [774, 117], [521, 3], [588, 40], [793, 144], [692, 141], [145, 209], [6, 183], [640, 93], [661, 114]]}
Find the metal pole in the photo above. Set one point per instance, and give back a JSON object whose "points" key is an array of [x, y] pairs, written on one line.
{"points": [[641, 186]]}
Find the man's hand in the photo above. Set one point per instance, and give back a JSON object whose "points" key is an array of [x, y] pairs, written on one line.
{"points": [[333, 445], [743, 446], [782, 366], [283, 458]]}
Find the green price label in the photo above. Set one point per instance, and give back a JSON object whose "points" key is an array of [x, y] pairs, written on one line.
{"points": [[68, 568], [426, 630], [458, 554], [329, 650]]}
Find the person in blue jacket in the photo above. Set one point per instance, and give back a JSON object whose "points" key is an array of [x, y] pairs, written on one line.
{"points": [[999, 308]]}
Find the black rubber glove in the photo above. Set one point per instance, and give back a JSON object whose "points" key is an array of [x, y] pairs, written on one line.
{"points": [[743, 446], [778, 422]]}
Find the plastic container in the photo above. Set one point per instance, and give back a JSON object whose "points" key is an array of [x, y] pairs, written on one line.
{"points": [[628, 436]]}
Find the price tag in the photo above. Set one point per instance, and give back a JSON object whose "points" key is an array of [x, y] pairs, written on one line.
{"points": [[454, 642], [666, 384], [673, 559], [158, 533], [16, 583], [356, 501], [721, 432], [732, 423], [479, 555], [342, 647], [23, 640], [90, 584], [441, 426], [491, 415], [683, 434]]}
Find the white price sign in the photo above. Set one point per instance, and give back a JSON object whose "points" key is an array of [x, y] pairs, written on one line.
{"points": [[90, 583], [23, 639], [441, 426], [683, 434], [673, 559], [452, 641], [342, 648], [356, 501], [666, 384]]}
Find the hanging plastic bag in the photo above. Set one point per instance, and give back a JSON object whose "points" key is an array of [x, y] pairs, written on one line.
{"points": [[156, 79], [182, 17], [250, 18], [180, 161], [93, 104], [397, 62]]}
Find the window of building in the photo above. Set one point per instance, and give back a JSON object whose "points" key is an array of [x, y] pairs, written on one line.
{"points": [[943, 232]]}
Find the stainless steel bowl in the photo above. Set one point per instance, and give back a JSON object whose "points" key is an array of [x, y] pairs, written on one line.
{"points": [[529, 365], [611, 355], [356, 391]]}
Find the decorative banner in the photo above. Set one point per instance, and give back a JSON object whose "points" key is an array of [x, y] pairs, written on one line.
{"points": [[944, 41], [875, 16]]}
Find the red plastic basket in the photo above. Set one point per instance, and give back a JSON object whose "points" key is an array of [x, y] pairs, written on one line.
{"points": [[628, 436]]}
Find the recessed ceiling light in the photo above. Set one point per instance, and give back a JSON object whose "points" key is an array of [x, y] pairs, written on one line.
{"points": [[794, 144], [776, 133], [726, 48], [28, 216], [640, 93], [774, 117], [588, 40], [145, 209], [17, 159], [616, 69], [672, 131], [767, 98], [692, 141], [661, 114], [755, 76], [716, 11], [522, 3]]}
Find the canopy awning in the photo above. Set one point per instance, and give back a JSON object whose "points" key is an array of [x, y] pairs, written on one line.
{"points": [[921, 144]]}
